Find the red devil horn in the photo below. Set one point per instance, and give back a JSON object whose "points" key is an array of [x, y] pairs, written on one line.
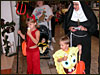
{"points": [[27, 16], [33, 17]]}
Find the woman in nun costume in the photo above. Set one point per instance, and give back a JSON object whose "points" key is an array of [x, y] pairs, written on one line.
{"points": [[82, 23]]}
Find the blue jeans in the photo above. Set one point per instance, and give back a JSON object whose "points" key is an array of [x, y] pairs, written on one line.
{"points": [[50, 36]]}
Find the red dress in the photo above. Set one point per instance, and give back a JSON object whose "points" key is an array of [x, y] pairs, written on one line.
{"points": [[33, 56]]}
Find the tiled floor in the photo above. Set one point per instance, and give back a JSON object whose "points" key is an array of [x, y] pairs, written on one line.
{"points": [[6, 71], [6, 62]]}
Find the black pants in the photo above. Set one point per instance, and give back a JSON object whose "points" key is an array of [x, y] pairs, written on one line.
{"points": [[86, 50], [53, 26]]}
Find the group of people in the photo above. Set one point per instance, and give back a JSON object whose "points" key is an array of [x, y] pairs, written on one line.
{"points": [[79, 22]]}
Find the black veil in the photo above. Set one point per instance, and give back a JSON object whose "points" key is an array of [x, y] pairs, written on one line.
{"points": [[88, 13]]}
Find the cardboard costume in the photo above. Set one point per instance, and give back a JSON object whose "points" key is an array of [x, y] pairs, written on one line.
{"points": [[69, 66]]}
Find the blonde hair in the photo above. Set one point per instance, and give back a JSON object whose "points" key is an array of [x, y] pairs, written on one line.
{"points": [[65, 39], [30, 20]]}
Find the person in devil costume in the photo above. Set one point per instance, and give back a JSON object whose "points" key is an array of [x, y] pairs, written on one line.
{"points": [[81, 23], [32, 50]]}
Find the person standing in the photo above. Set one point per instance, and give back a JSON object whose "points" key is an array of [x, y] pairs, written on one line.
{"points": [[82, 23], [53, 24], [43, 15], [32, 50]]}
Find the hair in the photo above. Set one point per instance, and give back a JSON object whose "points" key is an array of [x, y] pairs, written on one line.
{"points": [[30, 20], [65, 39], [40, 0]]}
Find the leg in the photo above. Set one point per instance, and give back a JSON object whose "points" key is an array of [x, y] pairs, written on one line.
{"points": [[36, 62], [86, 53], [86, 50], [50, 38], [29, 63], [53, 26], [50, 35]]}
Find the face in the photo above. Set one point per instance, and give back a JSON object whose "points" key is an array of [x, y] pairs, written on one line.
{"points": [[76, 6], [63, 45], [39, 3], [31, 25], [70, 64], [43, 40]]}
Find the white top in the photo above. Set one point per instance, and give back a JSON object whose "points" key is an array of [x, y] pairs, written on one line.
{"points": [[42, 13]]}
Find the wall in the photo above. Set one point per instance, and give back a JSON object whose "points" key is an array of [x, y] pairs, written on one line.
{"points": [[8, 13]]}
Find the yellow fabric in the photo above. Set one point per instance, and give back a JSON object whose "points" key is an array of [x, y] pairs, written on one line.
{"points": [[59, 54], [44, 47]]}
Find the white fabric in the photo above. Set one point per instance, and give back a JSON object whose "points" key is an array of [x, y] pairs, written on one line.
{"points": [[38, 12], [78, 14]]}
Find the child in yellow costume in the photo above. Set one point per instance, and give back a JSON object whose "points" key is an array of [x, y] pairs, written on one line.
{"points": [[66, 58]]}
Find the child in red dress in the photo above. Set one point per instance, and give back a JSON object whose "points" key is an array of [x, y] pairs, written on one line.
{"points": [[32, 50]]}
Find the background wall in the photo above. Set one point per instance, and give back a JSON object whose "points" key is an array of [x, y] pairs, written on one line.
{"points": [[8, 13]]}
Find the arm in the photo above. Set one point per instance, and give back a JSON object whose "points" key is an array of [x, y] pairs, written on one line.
{"points": [[80, 49], [59, 56], [37, 36], [22, 35], [63, 58], [49, 18], [50, 13]]}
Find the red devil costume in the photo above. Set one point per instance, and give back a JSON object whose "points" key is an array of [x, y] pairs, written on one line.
{"points": [[33, 55]]}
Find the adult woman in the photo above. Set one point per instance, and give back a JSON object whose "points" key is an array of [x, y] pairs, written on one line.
{"points": [[81, 16]]}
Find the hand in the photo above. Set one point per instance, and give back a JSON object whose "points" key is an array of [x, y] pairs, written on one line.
{"points": [[19, 32], [60, 59], [65, 58], [72, 29], [80, 49], [82, 28], [48, 20]]}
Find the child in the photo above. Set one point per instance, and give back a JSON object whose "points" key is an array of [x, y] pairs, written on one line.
{"points": [[62, 54], [43, 45], [32, 50]]}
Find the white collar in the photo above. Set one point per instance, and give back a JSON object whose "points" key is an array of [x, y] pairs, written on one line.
{"points": [[78, 14]]}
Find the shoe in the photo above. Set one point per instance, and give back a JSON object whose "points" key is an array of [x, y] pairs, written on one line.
{"points": [[51, 47], [53, 40]]}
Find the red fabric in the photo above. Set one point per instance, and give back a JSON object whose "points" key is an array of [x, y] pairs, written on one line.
{"points": [[80, 68], [33, 56]]}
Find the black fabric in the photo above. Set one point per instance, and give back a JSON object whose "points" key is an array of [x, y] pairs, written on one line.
{"points": [[86, 50], [88, 13], [53, 26], [91, 17], [90, 24], [79, 32]]}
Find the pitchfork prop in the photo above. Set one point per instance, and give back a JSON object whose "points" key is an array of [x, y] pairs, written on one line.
{"points": [[20, 12]]}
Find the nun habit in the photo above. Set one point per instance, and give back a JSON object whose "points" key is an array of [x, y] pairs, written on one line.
{"points": [[85, 17]]}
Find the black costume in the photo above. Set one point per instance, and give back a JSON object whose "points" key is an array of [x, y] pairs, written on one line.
{"points": [[82, 37]]}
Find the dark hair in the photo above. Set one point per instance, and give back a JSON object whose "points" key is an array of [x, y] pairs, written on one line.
{"points": [[65, 39]]}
